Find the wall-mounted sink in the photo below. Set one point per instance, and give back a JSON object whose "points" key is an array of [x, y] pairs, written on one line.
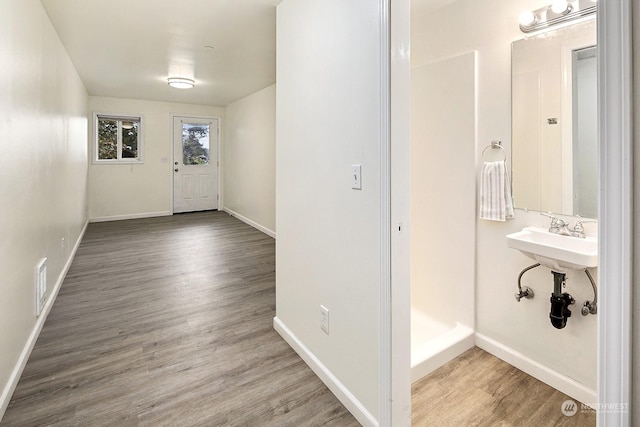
{"points": [[557, 252]]}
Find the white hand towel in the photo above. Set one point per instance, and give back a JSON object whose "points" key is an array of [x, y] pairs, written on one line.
{"points": [[496, 203]]}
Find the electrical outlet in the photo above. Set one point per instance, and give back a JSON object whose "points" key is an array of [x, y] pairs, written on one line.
{"points": [[324, 319], [62, 246]]}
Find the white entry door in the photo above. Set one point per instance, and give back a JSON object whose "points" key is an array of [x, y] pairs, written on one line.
{"points": [[195, 164]]}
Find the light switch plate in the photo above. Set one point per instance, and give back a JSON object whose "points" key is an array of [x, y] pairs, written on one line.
{"points": [[356, 177]]}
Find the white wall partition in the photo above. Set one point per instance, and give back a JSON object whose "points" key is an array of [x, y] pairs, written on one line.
{"points": [[140, 190], [443, 177], [443, 205], [328, 248], [249, 175], [43, 128]]}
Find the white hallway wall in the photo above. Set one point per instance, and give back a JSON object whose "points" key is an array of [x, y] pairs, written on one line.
{"points": [[43, 129], [328, 248], [249, 159], [521, 327], [136, 190]]}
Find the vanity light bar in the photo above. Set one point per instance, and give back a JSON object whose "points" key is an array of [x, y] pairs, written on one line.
{"points": [[559, 12]]}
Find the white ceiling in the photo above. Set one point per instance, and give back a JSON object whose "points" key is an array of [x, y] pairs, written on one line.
{"points": [[128, 48], [429, 4]]}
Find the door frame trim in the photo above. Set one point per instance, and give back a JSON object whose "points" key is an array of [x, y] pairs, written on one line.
{"points": [[615, 227], [395, 343], [386, 312]]}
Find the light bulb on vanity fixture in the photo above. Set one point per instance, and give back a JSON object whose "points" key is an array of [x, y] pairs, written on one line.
{"points": [[561, 7], [181, 82], [527, 18], [559, 12]]}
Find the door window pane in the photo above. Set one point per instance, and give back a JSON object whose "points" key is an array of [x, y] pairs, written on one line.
{"points": [[195, 144]]}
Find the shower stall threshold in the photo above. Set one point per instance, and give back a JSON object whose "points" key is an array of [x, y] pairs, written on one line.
{"points": [[430, 355]]}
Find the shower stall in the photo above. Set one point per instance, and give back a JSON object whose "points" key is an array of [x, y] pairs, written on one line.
{"points": [[443, 210]]}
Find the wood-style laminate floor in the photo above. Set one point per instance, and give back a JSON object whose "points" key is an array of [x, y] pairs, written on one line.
{"points": [[168, 322], [478, 389]]}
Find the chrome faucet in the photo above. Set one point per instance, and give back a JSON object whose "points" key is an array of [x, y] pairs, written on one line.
{"points": [[561, 227], [558, 226], [578, 229]]}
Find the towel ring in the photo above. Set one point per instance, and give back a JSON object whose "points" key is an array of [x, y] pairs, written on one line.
{"points": [[495, 145]]}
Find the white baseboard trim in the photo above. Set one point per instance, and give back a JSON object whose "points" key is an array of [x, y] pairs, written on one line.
{"points": [[10, 387], [252, 223], [129, 216], [337, 388], [537, 370]]}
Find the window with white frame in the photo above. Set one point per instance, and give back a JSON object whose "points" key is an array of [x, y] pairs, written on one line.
{"points": [[118, 138]]}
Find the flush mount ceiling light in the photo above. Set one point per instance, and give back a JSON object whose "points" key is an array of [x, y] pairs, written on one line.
{"points": [[559, 12], [180, 82]]}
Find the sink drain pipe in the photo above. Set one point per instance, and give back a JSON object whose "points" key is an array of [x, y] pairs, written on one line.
{"points": [[560, 302]]}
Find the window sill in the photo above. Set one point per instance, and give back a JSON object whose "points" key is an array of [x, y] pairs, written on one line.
{"points": [[118, 162]]}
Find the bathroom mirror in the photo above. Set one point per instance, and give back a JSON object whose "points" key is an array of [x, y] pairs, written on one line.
{"points": [[554, 121]]}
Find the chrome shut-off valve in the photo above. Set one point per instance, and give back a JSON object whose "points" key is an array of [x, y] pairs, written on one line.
{"points": [[589, 308], [525, 292]]}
